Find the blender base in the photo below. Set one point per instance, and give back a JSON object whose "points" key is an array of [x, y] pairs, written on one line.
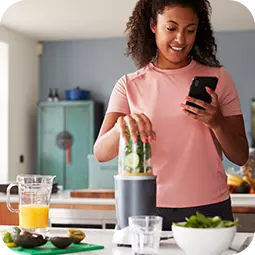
{"points": [[122, 237]]}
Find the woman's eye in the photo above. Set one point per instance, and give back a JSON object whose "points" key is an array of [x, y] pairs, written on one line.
{"points": [[170, 29], [191, 31]]}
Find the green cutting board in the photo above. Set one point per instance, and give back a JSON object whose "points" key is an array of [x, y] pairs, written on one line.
{"points": [[49, 248]]}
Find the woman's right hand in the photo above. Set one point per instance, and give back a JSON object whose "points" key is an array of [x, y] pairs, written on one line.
{"points": [[136, 123]]}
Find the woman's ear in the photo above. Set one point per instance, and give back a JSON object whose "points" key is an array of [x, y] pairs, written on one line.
{"points": [[153, 25]]}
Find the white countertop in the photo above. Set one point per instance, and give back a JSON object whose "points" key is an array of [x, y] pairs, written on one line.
{"points": [[104, 237], [63, 197]]}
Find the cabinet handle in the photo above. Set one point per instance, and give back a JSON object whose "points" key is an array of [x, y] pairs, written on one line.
{"points": [[68, 154]]}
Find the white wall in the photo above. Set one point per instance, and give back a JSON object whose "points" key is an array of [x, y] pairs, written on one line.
{"points": [[23, 96], [4, 109]]}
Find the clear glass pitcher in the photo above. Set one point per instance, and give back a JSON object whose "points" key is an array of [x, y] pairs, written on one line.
{"points": [[34, 198]]}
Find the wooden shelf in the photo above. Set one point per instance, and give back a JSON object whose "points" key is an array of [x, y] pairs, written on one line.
{"points": [[9, 218], [243, 209], [93, 193]]}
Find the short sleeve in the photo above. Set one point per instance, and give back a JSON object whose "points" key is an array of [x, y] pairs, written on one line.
{"points": [[228, 96], [118, 101]]}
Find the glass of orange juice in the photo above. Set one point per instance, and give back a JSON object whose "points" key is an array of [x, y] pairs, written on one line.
{"points": [[34, 200]]}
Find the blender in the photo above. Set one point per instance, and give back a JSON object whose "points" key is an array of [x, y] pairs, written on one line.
{"points": [[135, 186]]}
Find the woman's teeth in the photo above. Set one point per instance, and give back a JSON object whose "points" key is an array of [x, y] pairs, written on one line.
{"points": [[176, 48]]}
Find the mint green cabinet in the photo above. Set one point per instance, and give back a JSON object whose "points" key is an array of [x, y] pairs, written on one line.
{"points": [[50, 157], [54, 155]]}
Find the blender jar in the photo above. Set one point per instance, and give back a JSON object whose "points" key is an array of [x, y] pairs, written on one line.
{"points": [[134, 157]]}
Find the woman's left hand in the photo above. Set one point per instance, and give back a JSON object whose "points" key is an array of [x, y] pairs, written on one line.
{"points": [[211, 115]]}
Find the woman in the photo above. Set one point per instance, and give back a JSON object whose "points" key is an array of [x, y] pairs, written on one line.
{"points": [[171, 43]]}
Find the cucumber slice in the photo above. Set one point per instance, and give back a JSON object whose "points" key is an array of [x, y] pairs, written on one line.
{"points": [[131, 160]]}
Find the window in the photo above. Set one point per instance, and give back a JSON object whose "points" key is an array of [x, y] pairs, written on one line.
{"points": [[4, 110]]}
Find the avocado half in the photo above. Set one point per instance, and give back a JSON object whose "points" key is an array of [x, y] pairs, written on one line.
{"points": [[61, 242], [26, 239]]}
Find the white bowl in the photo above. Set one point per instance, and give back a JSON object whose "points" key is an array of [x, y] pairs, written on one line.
{"points": [[201, 241]]}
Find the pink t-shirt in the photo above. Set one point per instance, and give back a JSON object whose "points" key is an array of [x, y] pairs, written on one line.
{"points": [[185, 157]]}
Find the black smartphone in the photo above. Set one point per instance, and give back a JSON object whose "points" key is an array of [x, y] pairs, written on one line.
{"points": [[197, 89]]}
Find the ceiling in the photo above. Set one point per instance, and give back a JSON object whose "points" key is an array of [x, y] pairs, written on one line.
{"points": [[81, 19]]}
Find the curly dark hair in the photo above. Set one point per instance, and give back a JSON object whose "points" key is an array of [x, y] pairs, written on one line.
{"points": [[141, 43]]}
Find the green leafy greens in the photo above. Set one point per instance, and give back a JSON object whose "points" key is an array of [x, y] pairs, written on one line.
{"points": [[201, 221], [143, 152]]}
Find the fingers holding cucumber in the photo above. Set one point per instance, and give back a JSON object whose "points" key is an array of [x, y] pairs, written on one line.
{"points": [[148, 127], [132, 127]]}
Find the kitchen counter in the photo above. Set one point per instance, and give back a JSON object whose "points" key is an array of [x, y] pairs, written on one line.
{"points": [[63, 197], [104, 237], [66, 210]]}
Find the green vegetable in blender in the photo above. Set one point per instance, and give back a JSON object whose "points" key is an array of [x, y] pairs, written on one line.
{"points": [[201, 221], [132, 160], [137, 154]]}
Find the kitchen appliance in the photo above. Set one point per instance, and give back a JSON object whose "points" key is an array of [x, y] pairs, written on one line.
{"points": [[135, 186]]}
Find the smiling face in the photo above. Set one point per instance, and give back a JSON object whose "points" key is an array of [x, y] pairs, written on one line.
{"points": [[175, 34]]}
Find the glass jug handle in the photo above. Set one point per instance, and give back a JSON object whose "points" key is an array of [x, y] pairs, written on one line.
{"points": [[8, 197]]}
